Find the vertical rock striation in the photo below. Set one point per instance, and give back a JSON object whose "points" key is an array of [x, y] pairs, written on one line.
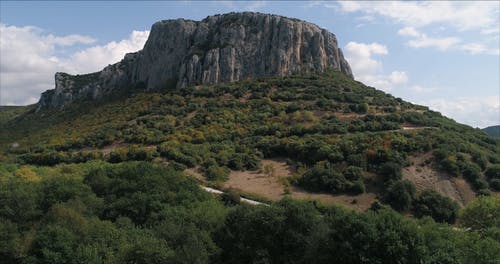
{"points": [[220, 48]]}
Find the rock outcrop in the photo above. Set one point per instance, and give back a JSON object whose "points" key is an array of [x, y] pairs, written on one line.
{"points": [[220, 48]]}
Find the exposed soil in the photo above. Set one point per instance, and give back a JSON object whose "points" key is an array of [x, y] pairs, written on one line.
{"points": [[257, 182], [271, 186], [424, 176]]}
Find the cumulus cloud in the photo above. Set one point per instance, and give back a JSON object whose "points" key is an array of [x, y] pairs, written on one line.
{"points": [[369, 70], [440, 43], [460, 15], [97, 57], [28, 59], [480, 17], [409, 31], [421, 40], [475, 111]]}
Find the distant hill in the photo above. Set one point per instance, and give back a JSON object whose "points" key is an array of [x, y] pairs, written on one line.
{"points": [[493, 131]]}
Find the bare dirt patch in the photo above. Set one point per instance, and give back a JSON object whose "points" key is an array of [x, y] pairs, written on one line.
{"points": [[268, 185], [271, 186], [424, 176]]}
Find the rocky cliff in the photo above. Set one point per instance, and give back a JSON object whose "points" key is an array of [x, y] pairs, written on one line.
{"points": [[220, 48]]}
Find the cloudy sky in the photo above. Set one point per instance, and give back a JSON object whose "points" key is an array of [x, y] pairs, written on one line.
{"points": [[441, 54]]}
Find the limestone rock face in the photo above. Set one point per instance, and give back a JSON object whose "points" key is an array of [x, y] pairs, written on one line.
{"points": [[220, 48]]}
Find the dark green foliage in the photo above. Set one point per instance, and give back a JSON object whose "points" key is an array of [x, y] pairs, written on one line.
{"points": [[495, 184], [390, 172], [139, 190], [493, 172], [400, 195], [324, 176], [431, 203]]}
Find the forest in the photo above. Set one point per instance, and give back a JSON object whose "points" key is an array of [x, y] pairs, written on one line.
{"points": [[104, 182], [138, 212]]}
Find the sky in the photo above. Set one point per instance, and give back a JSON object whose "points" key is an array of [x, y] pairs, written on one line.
{"points": [[440, 54]]}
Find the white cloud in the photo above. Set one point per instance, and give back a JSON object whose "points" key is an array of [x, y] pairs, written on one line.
{"points": [[482, 18], [474, 111], [420, 40], [28, 60], [369, 70], [398, 77], [478, 48], [360, 58], [461, 15], [440, 43], [409, 31], [95, 58]]}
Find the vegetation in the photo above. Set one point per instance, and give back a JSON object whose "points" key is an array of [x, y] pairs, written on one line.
{"points": [[103, 182], [138, 212]]}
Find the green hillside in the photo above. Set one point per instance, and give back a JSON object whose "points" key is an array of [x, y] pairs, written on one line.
{"points": [[103, 181], [493, 131]]}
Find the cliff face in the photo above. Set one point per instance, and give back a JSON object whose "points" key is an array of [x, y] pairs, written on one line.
{"points": [[221, 48]]}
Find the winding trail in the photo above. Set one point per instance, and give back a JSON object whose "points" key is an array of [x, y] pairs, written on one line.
{"points": [[218, 192]]}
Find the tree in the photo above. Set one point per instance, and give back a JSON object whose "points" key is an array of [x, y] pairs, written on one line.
{"points": [[431, 203], [390, 171], [493, 172], [217, 173], [481, 213], [400, 195]]}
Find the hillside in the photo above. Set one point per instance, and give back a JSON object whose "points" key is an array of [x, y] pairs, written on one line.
{"points": [[312, 136], [340, 136], [493, 131]]}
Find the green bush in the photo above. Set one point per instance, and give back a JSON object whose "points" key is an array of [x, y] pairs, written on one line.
{"points": [[400, 195], [431, 203], [495, 184], [493, 171], [217, 173]]}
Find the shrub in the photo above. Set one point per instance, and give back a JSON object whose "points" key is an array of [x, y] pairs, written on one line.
{"points": [[493, 172], [495, 184], [482, 213], [431, 203], [357, 187], [324, 177], [231, 197], [217, 173], [400, 195], [390, 172]]}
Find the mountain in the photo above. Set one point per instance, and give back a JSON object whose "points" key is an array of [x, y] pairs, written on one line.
{"points": [[493, 131], [221, 48], [346, 172]]}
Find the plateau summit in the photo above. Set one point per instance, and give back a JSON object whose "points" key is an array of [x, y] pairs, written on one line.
{"points": [[220, 48]]}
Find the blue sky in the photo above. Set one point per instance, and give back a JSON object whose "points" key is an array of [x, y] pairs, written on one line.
{"points": [[441, 54]]}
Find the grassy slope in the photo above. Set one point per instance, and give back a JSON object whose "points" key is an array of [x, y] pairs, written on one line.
{"points": [[308, 119]]}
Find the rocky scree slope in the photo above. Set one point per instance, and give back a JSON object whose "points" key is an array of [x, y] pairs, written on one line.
{"points": [[220, 48]]}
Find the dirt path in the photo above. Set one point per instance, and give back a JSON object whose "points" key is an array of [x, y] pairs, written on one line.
{"points": [[218, 192]]}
